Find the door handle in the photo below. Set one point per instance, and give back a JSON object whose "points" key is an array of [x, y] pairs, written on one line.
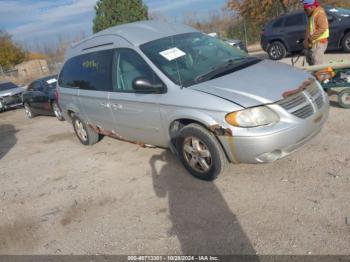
{"points": [[117, 106]]}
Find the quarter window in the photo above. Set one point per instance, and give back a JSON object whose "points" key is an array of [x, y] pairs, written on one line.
{"points": [[89, 71], [278, 23], [295, 20]]}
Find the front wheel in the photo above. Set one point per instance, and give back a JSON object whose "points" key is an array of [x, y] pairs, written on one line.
{"points": [[57, 111], [344, 98], [200, 152], [85, 134], [277, 51], [28, 110], [346, 43]]}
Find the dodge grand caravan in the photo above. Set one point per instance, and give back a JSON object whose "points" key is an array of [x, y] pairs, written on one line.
{"points": [[171, 86]]}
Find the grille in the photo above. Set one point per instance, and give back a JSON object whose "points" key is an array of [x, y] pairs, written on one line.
{"points": [[293, 101], [304, 104], [304, 112]]}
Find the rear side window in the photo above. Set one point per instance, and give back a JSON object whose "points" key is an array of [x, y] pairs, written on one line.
{"points": [[295, 20], [278, 23], [91, 71]]}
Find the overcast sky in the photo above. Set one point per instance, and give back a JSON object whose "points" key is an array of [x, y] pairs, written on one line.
{"points": [[32, 21]]}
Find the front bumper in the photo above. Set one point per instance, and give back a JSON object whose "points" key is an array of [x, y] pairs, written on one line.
{"points": [[10, 101], [271, 147], [264, 43]]}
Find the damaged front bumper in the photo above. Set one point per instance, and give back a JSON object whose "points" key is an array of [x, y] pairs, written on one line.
{"points": [[270, 147], [8, 102]]}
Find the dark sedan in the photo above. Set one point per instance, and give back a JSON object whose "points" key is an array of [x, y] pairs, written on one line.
{"points": [[40, 98]]}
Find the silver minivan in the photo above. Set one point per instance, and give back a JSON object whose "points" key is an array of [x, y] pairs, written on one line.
{"points": [[171, 86]]}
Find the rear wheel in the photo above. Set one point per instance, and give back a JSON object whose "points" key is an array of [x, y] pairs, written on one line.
{"points": [[28, 110], [344, 98], [346, 43], [85, 134], [200, 152], [277, 51], [57, 111]]}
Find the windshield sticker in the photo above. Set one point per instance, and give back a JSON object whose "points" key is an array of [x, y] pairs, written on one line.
{"points": [[172, 53], [334, 10], [51, 81]]}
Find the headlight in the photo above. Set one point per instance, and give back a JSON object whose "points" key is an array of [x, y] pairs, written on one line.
{"points": [[252, 117]]}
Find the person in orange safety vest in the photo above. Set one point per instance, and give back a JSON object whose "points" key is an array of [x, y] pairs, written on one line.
{"points": [[317, 32]]}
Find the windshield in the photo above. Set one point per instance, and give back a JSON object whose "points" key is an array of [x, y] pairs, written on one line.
{"points": [[50, 82], [184, 58], [7, 86], [340, 12]]}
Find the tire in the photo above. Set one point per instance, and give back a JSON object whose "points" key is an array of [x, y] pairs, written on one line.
{"points": [[57, 111], [344, 98], [200, 152], [345, 43], [28, 110], [277, 51], [86, 135]]}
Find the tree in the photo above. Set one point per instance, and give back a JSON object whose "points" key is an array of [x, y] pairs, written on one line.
{"points": [[114, 12], [10, 53]]}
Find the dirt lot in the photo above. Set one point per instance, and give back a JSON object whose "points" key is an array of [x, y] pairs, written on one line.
{"points": [[60, 197]]}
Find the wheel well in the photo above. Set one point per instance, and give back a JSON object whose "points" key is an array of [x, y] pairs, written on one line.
{"points": [[281, 41], [71, 114], [178, 124]]}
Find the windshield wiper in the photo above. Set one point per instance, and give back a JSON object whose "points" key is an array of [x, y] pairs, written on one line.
{"points": [[229, 66]]}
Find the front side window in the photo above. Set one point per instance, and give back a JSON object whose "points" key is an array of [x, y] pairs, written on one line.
{"points": [[37, 86], [90, 71], [128, 66], [185, 58]]}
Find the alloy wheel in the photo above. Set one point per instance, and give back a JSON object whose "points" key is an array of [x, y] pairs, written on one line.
{"points": [[347, 43], [197, 155], [28, 111], [56, 110], [80, 130], [276, 51]]}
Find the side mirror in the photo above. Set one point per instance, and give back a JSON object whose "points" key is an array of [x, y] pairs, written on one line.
{"points": [[144, 85]]}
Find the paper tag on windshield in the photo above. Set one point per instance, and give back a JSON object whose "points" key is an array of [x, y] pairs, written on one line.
{"points": [[51, 81], [172, 53], [334, 10]]}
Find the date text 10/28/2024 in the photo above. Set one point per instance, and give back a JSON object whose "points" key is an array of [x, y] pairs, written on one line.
{"points": [[173, 258]]}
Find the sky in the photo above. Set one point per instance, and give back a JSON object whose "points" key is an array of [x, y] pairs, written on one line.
{"points": [[32, 22]]}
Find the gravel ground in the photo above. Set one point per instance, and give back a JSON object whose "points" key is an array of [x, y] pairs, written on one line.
{"points": [[60, 197]]}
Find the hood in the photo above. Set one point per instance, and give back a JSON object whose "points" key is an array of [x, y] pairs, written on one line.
{"points": [[262, 83], [11, 92]]}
